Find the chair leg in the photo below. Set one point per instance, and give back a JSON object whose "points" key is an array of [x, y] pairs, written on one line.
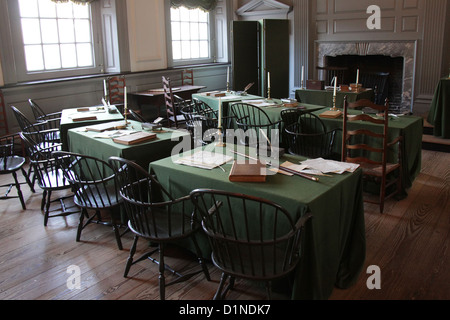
{"points": [[28, 181], [44, 196], [19, 192], [80, 224], [117, 233], [162, 279], [47, 207], [200, 259], [221, 292], [130, 257], [382, 193]]}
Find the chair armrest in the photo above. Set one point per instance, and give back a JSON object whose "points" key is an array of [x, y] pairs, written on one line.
{"points": [[53, 146], [395, 141]]}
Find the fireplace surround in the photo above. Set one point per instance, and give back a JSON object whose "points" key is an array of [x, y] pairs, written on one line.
{"points": [[405, 49]]}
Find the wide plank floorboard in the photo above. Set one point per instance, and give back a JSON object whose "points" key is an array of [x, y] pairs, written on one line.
{"points": [[410, 243]]}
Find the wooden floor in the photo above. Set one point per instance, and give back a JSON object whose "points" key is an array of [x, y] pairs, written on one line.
{"points": [[410, 243]]}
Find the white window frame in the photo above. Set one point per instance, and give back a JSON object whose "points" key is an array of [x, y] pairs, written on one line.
{"points": [[186, 62], [17, 53]]}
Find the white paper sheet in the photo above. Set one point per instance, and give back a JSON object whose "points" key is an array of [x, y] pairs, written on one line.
{"points": [[205, 159], [330, 166]]}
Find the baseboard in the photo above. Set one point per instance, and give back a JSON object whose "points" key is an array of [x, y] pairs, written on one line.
{"points": [[432, 143]]}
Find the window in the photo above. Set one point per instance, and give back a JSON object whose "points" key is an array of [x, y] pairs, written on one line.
{"points": [[53, 40], [56, 37], [190, 32]]}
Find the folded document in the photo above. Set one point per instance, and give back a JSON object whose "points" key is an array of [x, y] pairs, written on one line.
{"points": [[329, 166]]}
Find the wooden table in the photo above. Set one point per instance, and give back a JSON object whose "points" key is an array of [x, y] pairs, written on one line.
{"points": [[67, 123], [155, 97], [335, 244], [439, 115]]}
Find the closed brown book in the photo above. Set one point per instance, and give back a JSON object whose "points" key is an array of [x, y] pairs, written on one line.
{"points": [[135, 138], [331, 114], [245, 171], [83, 118]]}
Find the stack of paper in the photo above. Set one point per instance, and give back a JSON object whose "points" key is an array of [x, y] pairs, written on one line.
{"points": [[204, 159], [329, 166], [114, 134], [261, 103]]}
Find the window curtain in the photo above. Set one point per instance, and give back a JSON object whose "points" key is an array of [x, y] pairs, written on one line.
{"points": [[74, 1], [206, 5]]}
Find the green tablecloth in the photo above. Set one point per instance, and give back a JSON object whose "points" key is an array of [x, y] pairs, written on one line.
{"points": [[272, 111], [325, 97], [67, 123], [439, 115], [409, 127], [334, 251], [143, 153]]}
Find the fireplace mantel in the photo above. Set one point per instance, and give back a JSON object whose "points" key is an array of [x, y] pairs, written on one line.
{"points": [[405, 49]]}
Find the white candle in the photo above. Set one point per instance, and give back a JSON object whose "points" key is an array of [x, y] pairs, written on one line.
{"points": [[220, 114], [303, 73], [268, 80], [228, 75], [125, 97], [335, 86], [357, 76], [104, 87]]}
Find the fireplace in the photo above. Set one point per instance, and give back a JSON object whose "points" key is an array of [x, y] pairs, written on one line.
{"points": [[389, 68], [398, 58]]}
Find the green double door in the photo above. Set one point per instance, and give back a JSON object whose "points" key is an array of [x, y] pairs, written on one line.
{"points": [[261, 47]]}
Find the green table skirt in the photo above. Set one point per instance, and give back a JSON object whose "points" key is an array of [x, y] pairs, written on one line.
{"points": [[67, 123], [334, 247], [439, 115], [409, 127], [142, 153], [325, 97]]}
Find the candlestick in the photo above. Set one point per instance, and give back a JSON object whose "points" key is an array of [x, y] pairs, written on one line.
{"points": [[357, 77], [220, 114], [334, 104], [220, 142], [125, 106], [303, 75], [228, 79], [104, 87], [268, 80], [335, 86]]}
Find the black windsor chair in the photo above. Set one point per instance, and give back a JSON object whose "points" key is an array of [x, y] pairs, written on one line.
{"points": [[251, 238], [158, 220]]}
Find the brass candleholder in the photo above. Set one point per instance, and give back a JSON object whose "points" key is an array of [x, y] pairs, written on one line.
{"points": [[220, 142], [268, 95], [228, 87], [334, 104]]}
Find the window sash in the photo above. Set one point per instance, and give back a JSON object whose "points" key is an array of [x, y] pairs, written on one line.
{"points": [[20, 50], [179, 40]]}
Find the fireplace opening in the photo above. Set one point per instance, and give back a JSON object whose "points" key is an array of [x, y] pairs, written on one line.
{"points": [[371, 68]]}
